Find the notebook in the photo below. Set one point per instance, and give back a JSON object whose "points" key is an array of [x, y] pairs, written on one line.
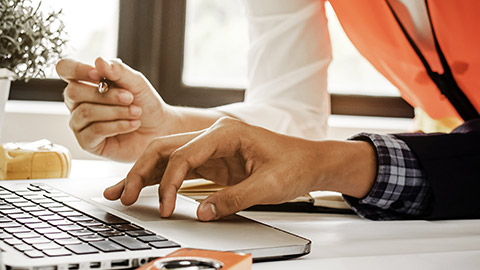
{"points": [[315, 201], [67, 224]]}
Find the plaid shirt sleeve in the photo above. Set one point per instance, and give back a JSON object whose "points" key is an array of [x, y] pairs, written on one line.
{"points": [[401, 190]]}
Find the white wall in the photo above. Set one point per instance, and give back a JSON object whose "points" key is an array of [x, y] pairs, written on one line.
{"points": [[27, 121]]}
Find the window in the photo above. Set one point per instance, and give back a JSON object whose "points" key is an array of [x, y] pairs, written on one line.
{"points": [[156, 37], [215, 28]]}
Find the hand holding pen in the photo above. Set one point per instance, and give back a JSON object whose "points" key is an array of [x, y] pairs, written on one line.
{"points": [[108, 104]]}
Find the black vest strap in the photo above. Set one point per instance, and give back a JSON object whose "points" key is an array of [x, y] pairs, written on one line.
{"points": [[445, 82]]}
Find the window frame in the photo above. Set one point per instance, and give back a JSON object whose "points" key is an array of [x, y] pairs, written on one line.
{"points": [[151, 40]]}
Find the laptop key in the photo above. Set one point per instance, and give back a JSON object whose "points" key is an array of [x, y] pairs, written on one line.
{"points": [[129, 242], [82, 232], [34, 254], [45, 246], [70, 214], [20, 216], [91, 238], [16, 200], [140, 233], [69, 241], [61, 222], [82, 249], [51, 217], [54, 236], [89, 223], [13, 241], [151, 238], [41, 225], [48, 230], [6, 206], [127, 227], [80, 218], [38, 240], [29, 220], [33, 208], [57, 252], [107, 246], [25, 235], [12, 224], [24, 204], [102, 228], [23, 247], [52, 205], [11, 211], [14, 230], [4, 219], [73, 227], [111, 233], [97, 213], [42, 201], [164, 244], [61, 209], [42, 213], [4, 235]]}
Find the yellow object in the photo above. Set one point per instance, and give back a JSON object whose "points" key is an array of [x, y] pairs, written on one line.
{"points": [[427, 124], [40, 159]]}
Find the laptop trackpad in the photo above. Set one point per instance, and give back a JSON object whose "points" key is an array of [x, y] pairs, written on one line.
{"points": [[146, 208]]}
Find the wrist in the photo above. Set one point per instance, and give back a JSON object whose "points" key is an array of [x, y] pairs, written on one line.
{"points": [[349, 167], [185, 119]]}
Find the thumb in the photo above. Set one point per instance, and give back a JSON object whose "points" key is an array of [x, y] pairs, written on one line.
{"points": [[121, 75], [229, 201]]}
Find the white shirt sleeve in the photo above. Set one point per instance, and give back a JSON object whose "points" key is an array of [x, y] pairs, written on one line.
{"points": [[288, 60]]}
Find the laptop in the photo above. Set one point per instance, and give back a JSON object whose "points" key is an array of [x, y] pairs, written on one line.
{"points": [[66, 224]]}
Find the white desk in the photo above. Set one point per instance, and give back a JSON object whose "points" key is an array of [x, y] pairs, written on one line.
{"points": [[349, 242]]}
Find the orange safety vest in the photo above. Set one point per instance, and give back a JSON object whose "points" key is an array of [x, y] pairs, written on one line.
{"points": [[373, 29]]}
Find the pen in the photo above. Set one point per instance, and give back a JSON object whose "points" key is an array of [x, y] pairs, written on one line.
{"points": [[104, 85]]}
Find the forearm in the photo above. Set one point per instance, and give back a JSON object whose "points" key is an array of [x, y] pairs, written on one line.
{"points": [[348, 167], [186, 119]]}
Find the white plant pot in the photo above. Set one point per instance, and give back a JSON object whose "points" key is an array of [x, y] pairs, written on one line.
{"points": [[5, 80], [4, 92]]}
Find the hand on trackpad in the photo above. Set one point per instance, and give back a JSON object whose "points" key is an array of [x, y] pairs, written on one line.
{"points": [[146, 208]]}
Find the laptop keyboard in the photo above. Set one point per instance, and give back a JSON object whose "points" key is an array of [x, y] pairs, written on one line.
{"points": [[42, 222]]}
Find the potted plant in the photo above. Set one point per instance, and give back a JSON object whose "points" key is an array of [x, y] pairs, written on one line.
{"points": [[30, 41]]}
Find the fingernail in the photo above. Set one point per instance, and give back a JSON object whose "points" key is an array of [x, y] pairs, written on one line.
{"points": [[207, 212], [125, 98], [107, 63], [135, 123], [93, 74], [135, 110]]}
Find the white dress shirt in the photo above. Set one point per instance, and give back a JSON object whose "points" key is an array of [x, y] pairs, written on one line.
{"points": [[288, 60]]}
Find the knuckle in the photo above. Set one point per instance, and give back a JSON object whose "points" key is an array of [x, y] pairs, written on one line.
{"points": [[96, 128], [84, 111], [177, 156], [121, 125], [226, 121], [68, 92], [234, 201], [230, 125]]}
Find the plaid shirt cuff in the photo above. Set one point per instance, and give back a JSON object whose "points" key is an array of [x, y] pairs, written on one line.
{"points": [[401, 190]]}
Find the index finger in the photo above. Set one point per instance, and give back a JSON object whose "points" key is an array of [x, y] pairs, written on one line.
{"points": [[214, 143], [149, 168], [69, 69]]}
